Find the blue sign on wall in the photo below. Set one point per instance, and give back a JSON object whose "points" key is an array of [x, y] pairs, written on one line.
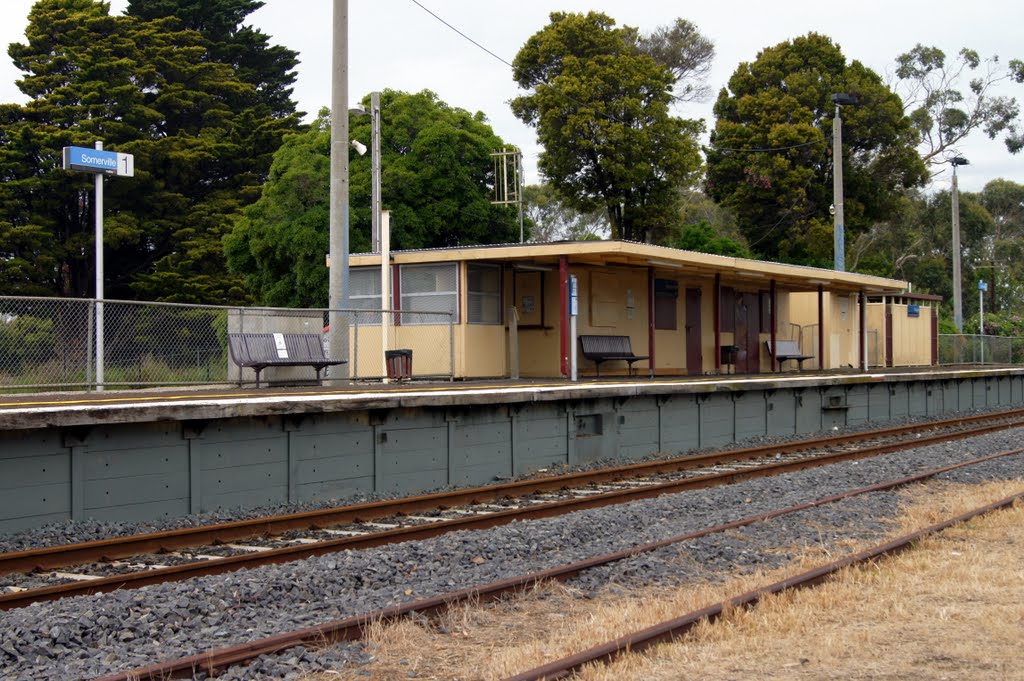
{"points": [[98, 161], [913, 310]]}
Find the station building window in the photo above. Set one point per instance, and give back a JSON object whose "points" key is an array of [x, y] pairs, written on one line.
{"points": [[484, 284], [429, 288], [364, 294]]}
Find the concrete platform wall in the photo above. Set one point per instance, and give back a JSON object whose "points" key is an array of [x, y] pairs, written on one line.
{"points": [[138, 471]]}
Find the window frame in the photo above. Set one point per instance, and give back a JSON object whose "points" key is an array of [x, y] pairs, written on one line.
{"points": [[496, 296]]}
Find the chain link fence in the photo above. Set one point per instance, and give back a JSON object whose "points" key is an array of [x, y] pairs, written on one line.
{"points": [[976, 349], [51, 343]]}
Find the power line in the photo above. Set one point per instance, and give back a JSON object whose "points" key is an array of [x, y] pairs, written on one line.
{"points": [[506, 63], [509, 64]]}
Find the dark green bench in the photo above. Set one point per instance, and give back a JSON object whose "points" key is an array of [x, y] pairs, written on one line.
{"points": [[257, 351], [785, 350], [604, 348]]}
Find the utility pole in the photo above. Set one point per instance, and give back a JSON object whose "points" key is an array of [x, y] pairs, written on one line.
{"points": [[958, 308], [338, 294], [375, 240], [838, 235]]}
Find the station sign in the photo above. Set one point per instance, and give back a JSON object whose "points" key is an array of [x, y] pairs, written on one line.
{"points": [[89, 160]]}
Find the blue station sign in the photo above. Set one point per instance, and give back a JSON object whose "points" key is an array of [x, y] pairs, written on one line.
{"points": [[99, 161]]}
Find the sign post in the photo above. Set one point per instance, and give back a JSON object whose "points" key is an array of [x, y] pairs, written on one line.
{"points": [[574, 311], [982, 287], [99, 163]]}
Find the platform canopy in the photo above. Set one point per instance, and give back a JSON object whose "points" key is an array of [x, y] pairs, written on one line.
{"points": [[634, 254]]}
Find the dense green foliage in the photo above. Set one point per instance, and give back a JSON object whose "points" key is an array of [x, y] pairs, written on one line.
{"points": [[149, 89], [702, 237], [769, 158], [599, 99], [268, 68], [436, 179]]}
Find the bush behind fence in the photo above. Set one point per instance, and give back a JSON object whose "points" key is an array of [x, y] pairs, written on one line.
{"points": [[50, 343]]}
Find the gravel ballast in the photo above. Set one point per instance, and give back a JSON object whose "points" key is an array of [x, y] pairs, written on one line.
{"points": [[92, 636]]}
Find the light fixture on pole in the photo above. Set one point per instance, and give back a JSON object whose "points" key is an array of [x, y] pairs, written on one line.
{"points": [[958, 309], [375, 202], [838, 236]]}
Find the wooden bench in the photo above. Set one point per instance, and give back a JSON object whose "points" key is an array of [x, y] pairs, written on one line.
{"points": [[258, 351], [787, 349], [603, 348]]}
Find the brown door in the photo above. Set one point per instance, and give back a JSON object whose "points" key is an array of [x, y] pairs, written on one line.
{"points": [[694, 356], [748, 326]]}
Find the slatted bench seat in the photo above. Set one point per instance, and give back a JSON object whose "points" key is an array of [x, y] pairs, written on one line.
{"points": [[258, 351], [603, 348], [787, 349]]}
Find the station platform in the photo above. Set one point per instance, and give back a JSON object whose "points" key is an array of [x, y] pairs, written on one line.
{"points": [[155, 453]]}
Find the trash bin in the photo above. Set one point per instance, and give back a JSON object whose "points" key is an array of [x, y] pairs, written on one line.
{"points": [[399, 364]]}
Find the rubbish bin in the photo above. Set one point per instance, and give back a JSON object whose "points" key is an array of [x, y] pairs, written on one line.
{"points": [[399, 364]]}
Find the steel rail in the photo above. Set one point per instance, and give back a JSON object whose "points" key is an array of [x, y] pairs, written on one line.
{"points": [[354, 627], [53, 557], [175, 573], [674, 628]]}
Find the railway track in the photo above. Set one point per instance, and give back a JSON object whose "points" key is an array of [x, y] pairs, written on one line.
{"points": [[141, 560], [354, 628]]}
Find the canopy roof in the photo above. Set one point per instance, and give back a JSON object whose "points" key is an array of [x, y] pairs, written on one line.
{"points": [[633, 254]]}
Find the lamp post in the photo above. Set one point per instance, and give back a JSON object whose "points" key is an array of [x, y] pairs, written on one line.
{"points": [[337, 279], [838, 236], [958, 309]]}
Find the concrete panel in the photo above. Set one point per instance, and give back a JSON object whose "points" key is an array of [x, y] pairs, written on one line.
{"points": [[133, 437], [717, 419], [29, 522], [29, 471], [950, 396], [244, 452], [1005, 391], [151, 510], [934, 398], [245, 498], [991, 391], [899, 395], [135, 489], [638, 428], [336, 468], [879, 402], [751, 415], [781, 416], [965, 394], [127, 463], [808, 411], [833, 408], [224, 481], [334, 489], [233, 430], [413, 449], [541, 437], [18, 444], [311, 446], [680, 424], [857, 404], [36, 500]]}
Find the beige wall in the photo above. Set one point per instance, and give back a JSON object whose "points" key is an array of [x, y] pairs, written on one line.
{"points": [[842, 326], [912, 337], [539, 348]]}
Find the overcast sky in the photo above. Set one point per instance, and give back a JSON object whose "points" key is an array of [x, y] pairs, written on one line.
{"points": [[396, 44]]}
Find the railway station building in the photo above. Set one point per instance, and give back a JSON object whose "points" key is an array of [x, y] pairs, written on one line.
{"points": [[685, 313]]}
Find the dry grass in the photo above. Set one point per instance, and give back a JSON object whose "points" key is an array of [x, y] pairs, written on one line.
{"points": [[951, 608]]}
